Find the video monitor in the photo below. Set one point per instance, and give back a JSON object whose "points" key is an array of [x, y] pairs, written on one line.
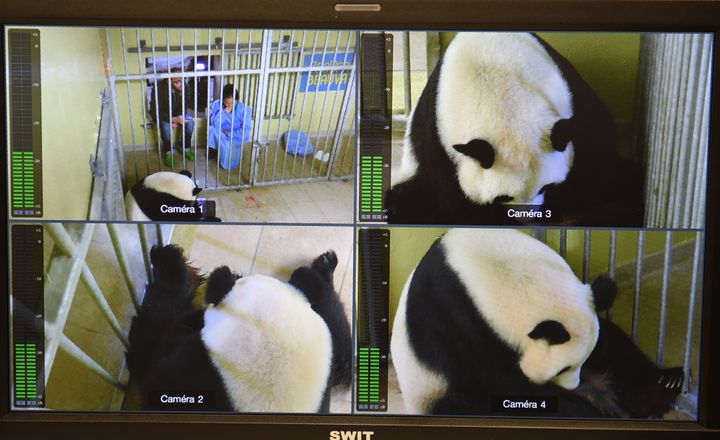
{"points": [[358, 228]]}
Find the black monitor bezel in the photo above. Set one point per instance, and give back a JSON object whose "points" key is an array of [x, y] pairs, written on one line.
{"points": [[528, 15]]}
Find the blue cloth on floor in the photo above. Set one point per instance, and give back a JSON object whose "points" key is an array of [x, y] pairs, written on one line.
{"points": [[297, 143]]}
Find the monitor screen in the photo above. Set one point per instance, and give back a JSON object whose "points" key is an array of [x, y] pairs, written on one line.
{"points": [[342, 224]]}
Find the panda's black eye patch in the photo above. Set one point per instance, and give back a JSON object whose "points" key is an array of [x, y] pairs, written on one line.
{"points": [[197, 190], [503, 199], [562, 133], [552, 331], [479, 150]]}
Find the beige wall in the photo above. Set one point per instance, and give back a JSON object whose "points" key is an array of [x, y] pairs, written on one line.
{"points": [[72, 79]]}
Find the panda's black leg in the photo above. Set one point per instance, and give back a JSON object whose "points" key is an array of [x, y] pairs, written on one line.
{"points": [[311, 283], [316, 284], [219, 283], [325, 264], [671, 379]]}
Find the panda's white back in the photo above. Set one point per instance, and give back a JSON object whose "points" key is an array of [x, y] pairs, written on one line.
{"points": [[271, 349], [133, 211]]}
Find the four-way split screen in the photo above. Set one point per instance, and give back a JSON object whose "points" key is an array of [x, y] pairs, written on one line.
{"points": [[344, 127], [548, 323], [289, 221]]}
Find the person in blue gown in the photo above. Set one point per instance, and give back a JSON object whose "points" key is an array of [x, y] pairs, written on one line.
{"points": [[230, 127]]}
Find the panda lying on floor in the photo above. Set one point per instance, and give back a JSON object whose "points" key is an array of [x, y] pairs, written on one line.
{"points": [[149, 199], [261, 345], [489, 314], [505, 119]]}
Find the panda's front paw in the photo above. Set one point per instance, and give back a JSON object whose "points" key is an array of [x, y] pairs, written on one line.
{"points": [[219, 283], [326, 263], [671, 379]]}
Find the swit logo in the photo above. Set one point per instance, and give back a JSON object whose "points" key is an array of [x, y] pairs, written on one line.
{"points": [[351, 435]]}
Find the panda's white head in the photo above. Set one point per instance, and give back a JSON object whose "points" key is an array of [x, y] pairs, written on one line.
{"points": [[180, 185], [504, 117], [271, 349], [531, 300]]}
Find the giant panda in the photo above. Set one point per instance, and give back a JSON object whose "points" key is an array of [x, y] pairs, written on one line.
{"points": [[494, 313], [505, 119], [144, 200], [260, 345]]}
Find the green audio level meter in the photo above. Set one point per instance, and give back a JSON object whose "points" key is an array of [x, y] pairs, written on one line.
{"points": [[373, 319], [25, 126], [375, 124]]}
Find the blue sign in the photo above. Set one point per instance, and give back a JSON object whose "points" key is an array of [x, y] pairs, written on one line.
{"points": [[324, 80]]}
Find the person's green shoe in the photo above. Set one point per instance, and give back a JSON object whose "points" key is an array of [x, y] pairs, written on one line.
{"points": [[168, 159], [189, 154]]}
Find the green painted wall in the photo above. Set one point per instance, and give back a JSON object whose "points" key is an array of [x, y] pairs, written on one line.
{"points": [[409, 245], [72, 79], [308, 106], [607, 61]]}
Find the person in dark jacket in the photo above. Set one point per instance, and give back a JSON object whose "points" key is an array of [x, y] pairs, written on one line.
{"points": [[172, 113]]}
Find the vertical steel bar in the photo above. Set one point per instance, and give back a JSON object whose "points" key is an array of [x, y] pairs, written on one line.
{"points": [[262, 92], [586, 256], [130, 103], [312, 108], [294, 87], [612, 262], [170, 93], [232, 122], [122, 261], [182, 99], [285, 96], [157, 104], [305, 93], [247, 62], [268, 113], [639, 261], [144, 245], [159, 233], [406, 72], [119, 146], [145, 104], [563, 243], [667, 267], [337, 75], [210, 79], [694, 281]]}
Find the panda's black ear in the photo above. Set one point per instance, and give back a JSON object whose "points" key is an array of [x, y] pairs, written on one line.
{"points": [[219, 283], [552, 331], [562, 133], [197, 190], [604, 291], [479, 150], [186, 173]]}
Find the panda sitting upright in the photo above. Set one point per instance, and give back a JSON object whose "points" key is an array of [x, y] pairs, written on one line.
{"points": [[149, 198], [489, 315], [505, 119], [261, 345]]}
